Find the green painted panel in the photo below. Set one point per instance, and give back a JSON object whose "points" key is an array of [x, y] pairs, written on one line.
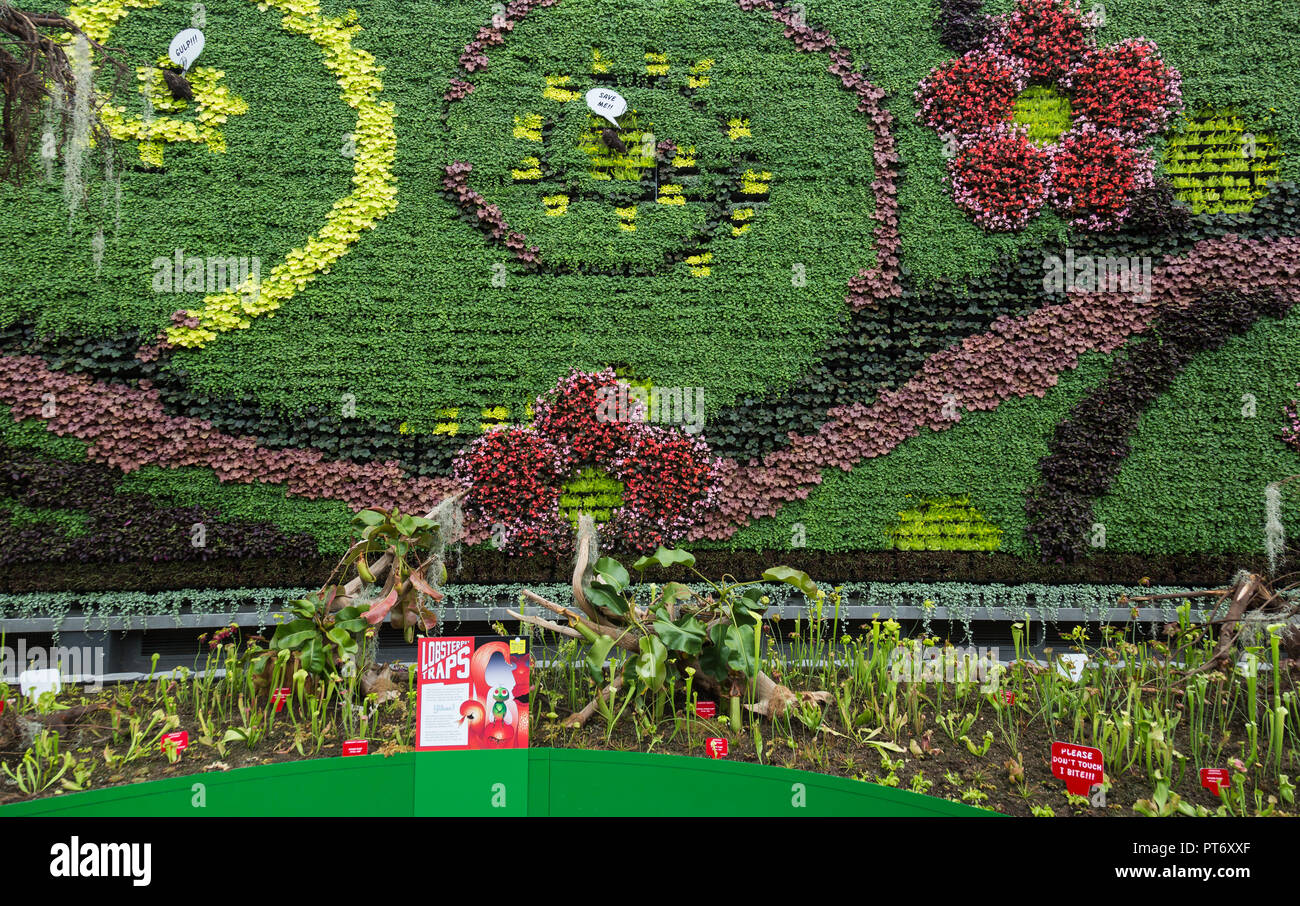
{"points": [[471, 784], [539, 782], [600, 783], [319, 787]]}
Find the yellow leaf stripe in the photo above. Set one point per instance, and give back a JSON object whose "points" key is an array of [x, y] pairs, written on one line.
{"points": [[374, 193], [214, 105], [98, 19]]}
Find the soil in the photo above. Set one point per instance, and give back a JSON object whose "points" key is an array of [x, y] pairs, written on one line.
{"points": [[828, 750]]}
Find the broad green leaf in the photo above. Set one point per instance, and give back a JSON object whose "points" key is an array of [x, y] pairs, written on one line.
{"points": [[676, 591], [651, 663], [369, 517], [596, 656], [613, 573], [340, 636], [740, 649], [312, 656], [732, 649], [713, 662], [687, 636], [602, 595], [665, 558], [791, 576], [293, 633]]}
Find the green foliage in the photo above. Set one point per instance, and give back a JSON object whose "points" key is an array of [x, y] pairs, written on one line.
{"points": [[993, 456], [42, 765], [593, 493], [325, 520], [946, 523], [413, 547], [323, 642], [679, 628], [1173, 479], [69, 522], [1045, 111], [33, 433], [411, 322]]}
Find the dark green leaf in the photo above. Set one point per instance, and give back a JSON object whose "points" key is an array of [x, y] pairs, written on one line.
{"points": [[687, 636], [613, 573], [665, 558], [791, 576]]}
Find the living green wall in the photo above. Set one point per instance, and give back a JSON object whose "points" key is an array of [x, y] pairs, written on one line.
{"points": [[800, 175]]}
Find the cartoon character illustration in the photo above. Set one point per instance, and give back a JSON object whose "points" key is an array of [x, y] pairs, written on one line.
{"points": [[497, 720], [499, 696]]}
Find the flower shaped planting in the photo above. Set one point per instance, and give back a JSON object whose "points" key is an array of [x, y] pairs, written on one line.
{"points": [[1005, 164], [517, 475]]}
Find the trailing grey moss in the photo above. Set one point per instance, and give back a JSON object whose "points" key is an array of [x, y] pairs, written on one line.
{"points": [[129, 609], [954, 601]]}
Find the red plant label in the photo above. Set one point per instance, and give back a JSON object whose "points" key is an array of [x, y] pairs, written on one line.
{"points": [[1009, 696], [1079, 766], [280, 697], [1213, 778], [706, 709], [717, 747], [181, 739], [2, 706], [356, 747]]}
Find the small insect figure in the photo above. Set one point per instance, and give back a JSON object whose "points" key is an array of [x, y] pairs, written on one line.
{"points": [[178, 85], [499, 697], [612, 141]]}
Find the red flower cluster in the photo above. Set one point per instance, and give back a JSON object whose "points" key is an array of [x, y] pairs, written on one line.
{"points": [[1094, 175], [972, 93], [1048, 36], [1001, 178], [516, 475], [1119, 96], [1124, 88]]}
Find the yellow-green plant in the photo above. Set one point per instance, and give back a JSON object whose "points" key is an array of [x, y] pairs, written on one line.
{"points": [[42, 765]]}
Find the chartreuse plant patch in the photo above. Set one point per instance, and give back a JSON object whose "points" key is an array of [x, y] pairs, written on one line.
{"points": [[846, 276], [1216, 164]]}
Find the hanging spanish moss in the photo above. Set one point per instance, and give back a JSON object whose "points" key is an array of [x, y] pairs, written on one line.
{"points": [[77, 143], [1274, 533], [38, 69]]}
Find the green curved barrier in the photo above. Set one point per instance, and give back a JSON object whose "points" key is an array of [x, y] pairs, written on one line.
{"points": [[544, 782]]}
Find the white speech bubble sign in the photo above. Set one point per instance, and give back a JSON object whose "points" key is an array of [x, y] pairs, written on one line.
{"points": [[35, 683], [1071, 666], [606, 103], [186, 47]]}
